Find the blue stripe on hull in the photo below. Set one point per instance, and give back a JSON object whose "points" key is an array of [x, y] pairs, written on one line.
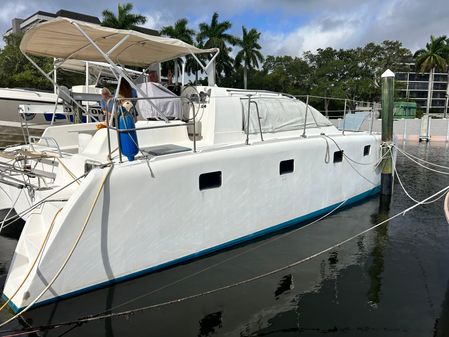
{"points": [[203, 252]]}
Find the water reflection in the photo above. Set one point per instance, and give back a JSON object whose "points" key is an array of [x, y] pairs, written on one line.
{"points": [[285, 284], [210, 324], [377, 254]]}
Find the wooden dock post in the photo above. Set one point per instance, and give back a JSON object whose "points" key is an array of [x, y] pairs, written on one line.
{"points": [[387, 131]]}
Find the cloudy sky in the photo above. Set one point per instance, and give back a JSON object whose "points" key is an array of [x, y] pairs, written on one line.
{"points": [[288, 26]]}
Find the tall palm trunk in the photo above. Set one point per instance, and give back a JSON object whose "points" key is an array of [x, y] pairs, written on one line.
{"points": [[245, 77], [429, 90]]}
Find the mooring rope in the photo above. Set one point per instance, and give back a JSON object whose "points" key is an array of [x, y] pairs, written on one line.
{"points": [[420, 164], [422, 160], [66, 260], [276, 238], [10, 210], [125, 313], [408, 194], [41, 249], [16, 217]]}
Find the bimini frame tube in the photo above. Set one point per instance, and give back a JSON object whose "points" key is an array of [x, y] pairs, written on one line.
{"points": [[53, 82], [117, 69], [211, 76]]}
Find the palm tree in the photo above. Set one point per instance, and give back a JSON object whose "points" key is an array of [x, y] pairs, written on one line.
{"points": [[250, 53], [192, 66], [179, 31], [124, 19], [434, 56], [214, 36]]}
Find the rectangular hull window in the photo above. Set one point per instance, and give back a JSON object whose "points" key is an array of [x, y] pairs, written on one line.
{"points": [[338, 156], [210, 180], [286, 166], [366, 150]]}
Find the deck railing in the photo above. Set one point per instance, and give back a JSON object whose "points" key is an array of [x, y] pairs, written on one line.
{"points": [[189, 121]]}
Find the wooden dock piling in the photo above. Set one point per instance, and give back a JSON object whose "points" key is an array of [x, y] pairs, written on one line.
{"points": [[387, 131]]}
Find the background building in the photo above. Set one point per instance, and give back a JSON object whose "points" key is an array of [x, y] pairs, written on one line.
{"points": [[414, 86], [21, 25]]}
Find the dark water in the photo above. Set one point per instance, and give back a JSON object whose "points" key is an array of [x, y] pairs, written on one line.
{"points": [[392, 281]]}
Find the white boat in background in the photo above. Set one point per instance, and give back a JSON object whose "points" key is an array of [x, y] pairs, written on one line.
{"points": [[237, 164], [10, 99], [39, 108]]}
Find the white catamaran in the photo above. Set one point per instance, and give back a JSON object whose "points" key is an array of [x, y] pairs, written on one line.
{"points": [[214, 167]]}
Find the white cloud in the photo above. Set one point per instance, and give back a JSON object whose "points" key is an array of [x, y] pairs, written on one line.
{"points": [[10, 11], [157, 20], [312, 36]]}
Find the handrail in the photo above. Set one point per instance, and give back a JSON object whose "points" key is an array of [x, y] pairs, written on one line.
{"points": [[333, 98], [344, 118], [47, 140], [151, 127], [116, 113], [258, 119], [248, 120], [305, 120]]}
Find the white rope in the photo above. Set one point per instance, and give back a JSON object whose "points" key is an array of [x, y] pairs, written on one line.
{"points": [[243, 282], [422, 160], [409, 195], [67, 257], [9, 211], [276, 238], [16, 217], [418, 163]]}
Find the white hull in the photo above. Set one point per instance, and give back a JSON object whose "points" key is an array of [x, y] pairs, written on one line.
{"points": [[164, 209], [10, 99], [151, 223], [260, 305]]}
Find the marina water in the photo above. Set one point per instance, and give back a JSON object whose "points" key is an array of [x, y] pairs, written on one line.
{"points": [[392, 281]]}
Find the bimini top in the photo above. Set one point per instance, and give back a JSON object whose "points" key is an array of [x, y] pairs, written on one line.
{"points": [[65, 38], [95, 68]]}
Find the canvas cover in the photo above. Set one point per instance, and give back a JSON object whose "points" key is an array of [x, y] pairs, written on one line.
{"points": [[280, 114], [166, 102], [61, 38]]}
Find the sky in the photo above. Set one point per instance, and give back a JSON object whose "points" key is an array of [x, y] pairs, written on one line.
{"points": [[288, 27]]}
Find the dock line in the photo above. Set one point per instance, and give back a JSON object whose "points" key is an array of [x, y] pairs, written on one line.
{"points": [[92, 318]]}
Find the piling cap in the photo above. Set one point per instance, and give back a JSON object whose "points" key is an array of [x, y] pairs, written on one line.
{"points": [[388, 73]]}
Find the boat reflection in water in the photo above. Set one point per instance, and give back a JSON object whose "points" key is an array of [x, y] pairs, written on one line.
{"points": [[268, 304]]}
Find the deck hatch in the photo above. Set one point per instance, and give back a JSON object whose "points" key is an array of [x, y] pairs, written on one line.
{"points": [[338, 156], [286, 166], [161, 150], [210, 180]]}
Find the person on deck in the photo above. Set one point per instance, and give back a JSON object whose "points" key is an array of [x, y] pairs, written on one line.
{"points": [[106, 103], [153, 76], [126, 91]]}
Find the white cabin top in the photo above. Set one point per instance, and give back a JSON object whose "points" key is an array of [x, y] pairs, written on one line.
{"points": [[221, 118]]}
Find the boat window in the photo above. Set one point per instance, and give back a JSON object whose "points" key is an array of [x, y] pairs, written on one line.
{"points": [[366, 150], [286, 166], [338, 156], [210, 180]]}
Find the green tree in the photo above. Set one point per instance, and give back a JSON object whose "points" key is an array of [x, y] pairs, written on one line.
{"points": [[124, 19], [17, 72], [192, 66], [250, 54], [434, 56], [214, 35], [181, 32]]}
